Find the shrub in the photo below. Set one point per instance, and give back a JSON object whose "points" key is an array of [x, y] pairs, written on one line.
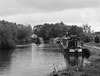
{"points": [[8, 44], [97, 39], [87, 39]]}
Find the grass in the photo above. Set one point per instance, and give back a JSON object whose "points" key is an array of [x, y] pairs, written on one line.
{"points": [[93, 44], [92, 69]]}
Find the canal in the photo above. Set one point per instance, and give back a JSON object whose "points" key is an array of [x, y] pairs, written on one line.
{"points": [[35, 60]]}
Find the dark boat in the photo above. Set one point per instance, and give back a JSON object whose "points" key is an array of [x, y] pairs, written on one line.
{"points": [[71, 44]]}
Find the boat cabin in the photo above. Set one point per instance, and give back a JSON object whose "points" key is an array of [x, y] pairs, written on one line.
{"points": [[71, 43]]}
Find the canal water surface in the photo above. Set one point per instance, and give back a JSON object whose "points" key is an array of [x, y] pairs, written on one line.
{"points": [[35, 60]]}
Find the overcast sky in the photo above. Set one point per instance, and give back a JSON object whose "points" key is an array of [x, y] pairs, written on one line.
{"points": [[51, 11]]}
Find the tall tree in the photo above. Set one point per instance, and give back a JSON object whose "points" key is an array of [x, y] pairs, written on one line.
{"points": [[86, 28]]}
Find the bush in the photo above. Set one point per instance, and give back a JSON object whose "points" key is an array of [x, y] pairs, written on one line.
{"points": [[97, 39], [87, 39], [8, 44], [11, 44]]}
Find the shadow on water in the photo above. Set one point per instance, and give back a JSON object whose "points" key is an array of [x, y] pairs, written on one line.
{"points": [[76, 59], [5, 58], [36, 60]]}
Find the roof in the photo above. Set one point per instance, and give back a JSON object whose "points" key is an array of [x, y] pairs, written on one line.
{"points": [[34, 36]]}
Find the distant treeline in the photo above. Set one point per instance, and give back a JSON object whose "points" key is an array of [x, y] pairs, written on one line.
{"points": [[47, 31], [12, 34]]}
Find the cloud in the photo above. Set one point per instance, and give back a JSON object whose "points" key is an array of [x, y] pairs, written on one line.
{"points": [[37, 18], [58, 5], [40, 11], [68, 16], [13, 7], [9, 7]]}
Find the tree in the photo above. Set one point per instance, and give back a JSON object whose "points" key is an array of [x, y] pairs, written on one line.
{"points": [[36, 29], [75, 30], [87, 39], [86, 28], [10, 33], [47, 31]]}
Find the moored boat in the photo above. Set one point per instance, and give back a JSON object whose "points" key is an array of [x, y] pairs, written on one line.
{"points": [[71, 44]]}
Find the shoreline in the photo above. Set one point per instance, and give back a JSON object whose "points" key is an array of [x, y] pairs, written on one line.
{"points": [[23, 46], [91, 69]]}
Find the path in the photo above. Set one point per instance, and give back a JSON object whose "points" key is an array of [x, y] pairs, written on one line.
{"points": [[92, 46]]}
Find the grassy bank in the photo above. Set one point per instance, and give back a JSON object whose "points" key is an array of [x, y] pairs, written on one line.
{"points": [[91, 69], [93, 44]]}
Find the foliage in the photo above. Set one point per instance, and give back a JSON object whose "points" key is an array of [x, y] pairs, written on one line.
{"points": [[48, 31], [87, 39], [10, 33], [86, 28], [97, 40], [75, 30]]}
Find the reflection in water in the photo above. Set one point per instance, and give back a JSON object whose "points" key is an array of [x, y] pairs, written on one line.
{"points": [[35, 60], [5, 58], [31, 61], [75, 59], [45, 60]]}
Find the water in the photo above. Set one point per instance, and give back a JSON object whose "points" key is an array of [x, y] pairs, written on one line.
{"points": [[34, 60]]}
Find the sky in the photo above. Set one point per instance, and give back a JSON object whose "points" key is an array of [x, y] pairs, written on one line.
{"points": [[34, 12]]}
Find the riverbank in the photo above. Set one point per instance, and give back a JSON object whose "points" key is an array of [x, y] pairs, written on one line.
{"points": [[23, 46], [93, 44], [91, 69]]}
